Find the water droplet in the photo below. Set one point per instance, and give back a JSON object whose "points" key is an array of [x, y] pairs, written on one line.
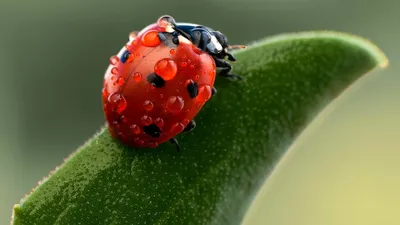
{"points": [[172, 51], [204, 93], [117, 102], [165, 21], [104, 93], [113, 78], [135, 129], [166, 68], [183, 64], [137, 54], [138, 141], [185, 121], [129, 58], [188, 82], [191, 66], [196, 50], [114, 71], [159, 122], [150, 38], [137, 76], [123, 119], [128, 46], [174, 104], [177, 128], [153, 144], [116, 124], [146, 120], [114, 60], [148, 105], [120, 81], [161, 96], [196, 78], [212, 72], [133, 35]]}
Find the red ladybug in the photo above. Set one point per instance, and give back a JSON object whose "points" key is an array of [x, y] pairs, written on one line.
{"points": [[158, 82]]}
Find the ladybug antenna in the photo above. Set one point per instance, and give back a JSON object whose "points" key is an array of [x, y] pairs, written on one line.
{"points": [[232, 47]]}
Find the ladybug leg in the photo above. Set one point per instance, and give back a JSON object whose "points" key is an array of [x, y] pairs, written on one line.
{"points": [[175, 142], [190, 127], [213, 91], [230, 57], [226, 69]]}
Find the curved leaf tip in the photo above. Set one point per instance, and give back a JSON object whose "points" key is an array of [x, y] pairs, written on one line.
{"points": [[241, 134]]}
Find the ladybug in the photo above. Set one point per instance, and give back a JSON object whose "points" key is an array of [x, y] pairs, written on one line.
{"points": [[162, 77]]}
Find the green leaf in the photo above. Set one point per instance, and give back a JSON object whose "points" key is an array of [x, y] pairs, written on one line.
{"points": [[241, 134]]}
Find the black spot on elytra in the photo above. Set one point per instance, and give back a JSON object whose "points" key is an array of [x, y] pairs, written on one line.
{"points": [[156, 80], [152, 130], [193, 89], [125, 56]]}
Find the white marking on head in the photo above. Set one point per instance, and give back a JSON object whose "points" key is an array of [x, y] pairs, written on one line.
{"points": [[214, 46]]}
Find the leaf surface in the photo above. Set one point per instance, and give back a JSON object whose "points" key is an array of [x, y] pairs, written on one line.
{"points": [[241, 134]]}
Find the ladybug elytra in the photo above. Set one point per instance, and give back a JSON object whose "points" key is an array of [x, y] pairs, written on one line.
{"points": [[158, 82]]}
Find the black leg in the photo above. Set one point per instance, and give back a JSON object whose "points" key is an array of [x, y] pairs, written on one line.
{"points": [[175, 142], [213, 91], [231, 57], [226, 69], [191, 125]]}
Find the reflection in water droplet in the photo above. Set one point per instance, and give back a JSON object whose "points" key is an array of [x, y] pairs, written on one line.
{"points": [[148, 105], [185, 122], [159, 122], [137, 76], [116, 124], [135, 129], [104, 93], [114, 71], [150, 38], [120, 81], [177, 128], [138, 141], [165, 21], [174, 104], [172, 51], [133, 35], [123, 119], [146, 120], [114, 60], [204, 93], [117, 102], [212, 72], [191, 66], [153, 144], [166, 68]]}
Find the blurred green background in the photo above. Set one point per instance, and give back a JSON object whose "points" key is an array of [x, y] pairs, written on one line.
{"points": [[53, 55]]}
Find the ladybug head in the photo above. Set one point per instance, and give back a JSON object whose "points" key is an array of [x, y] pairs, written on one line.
{"points": [[222, 39]]}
